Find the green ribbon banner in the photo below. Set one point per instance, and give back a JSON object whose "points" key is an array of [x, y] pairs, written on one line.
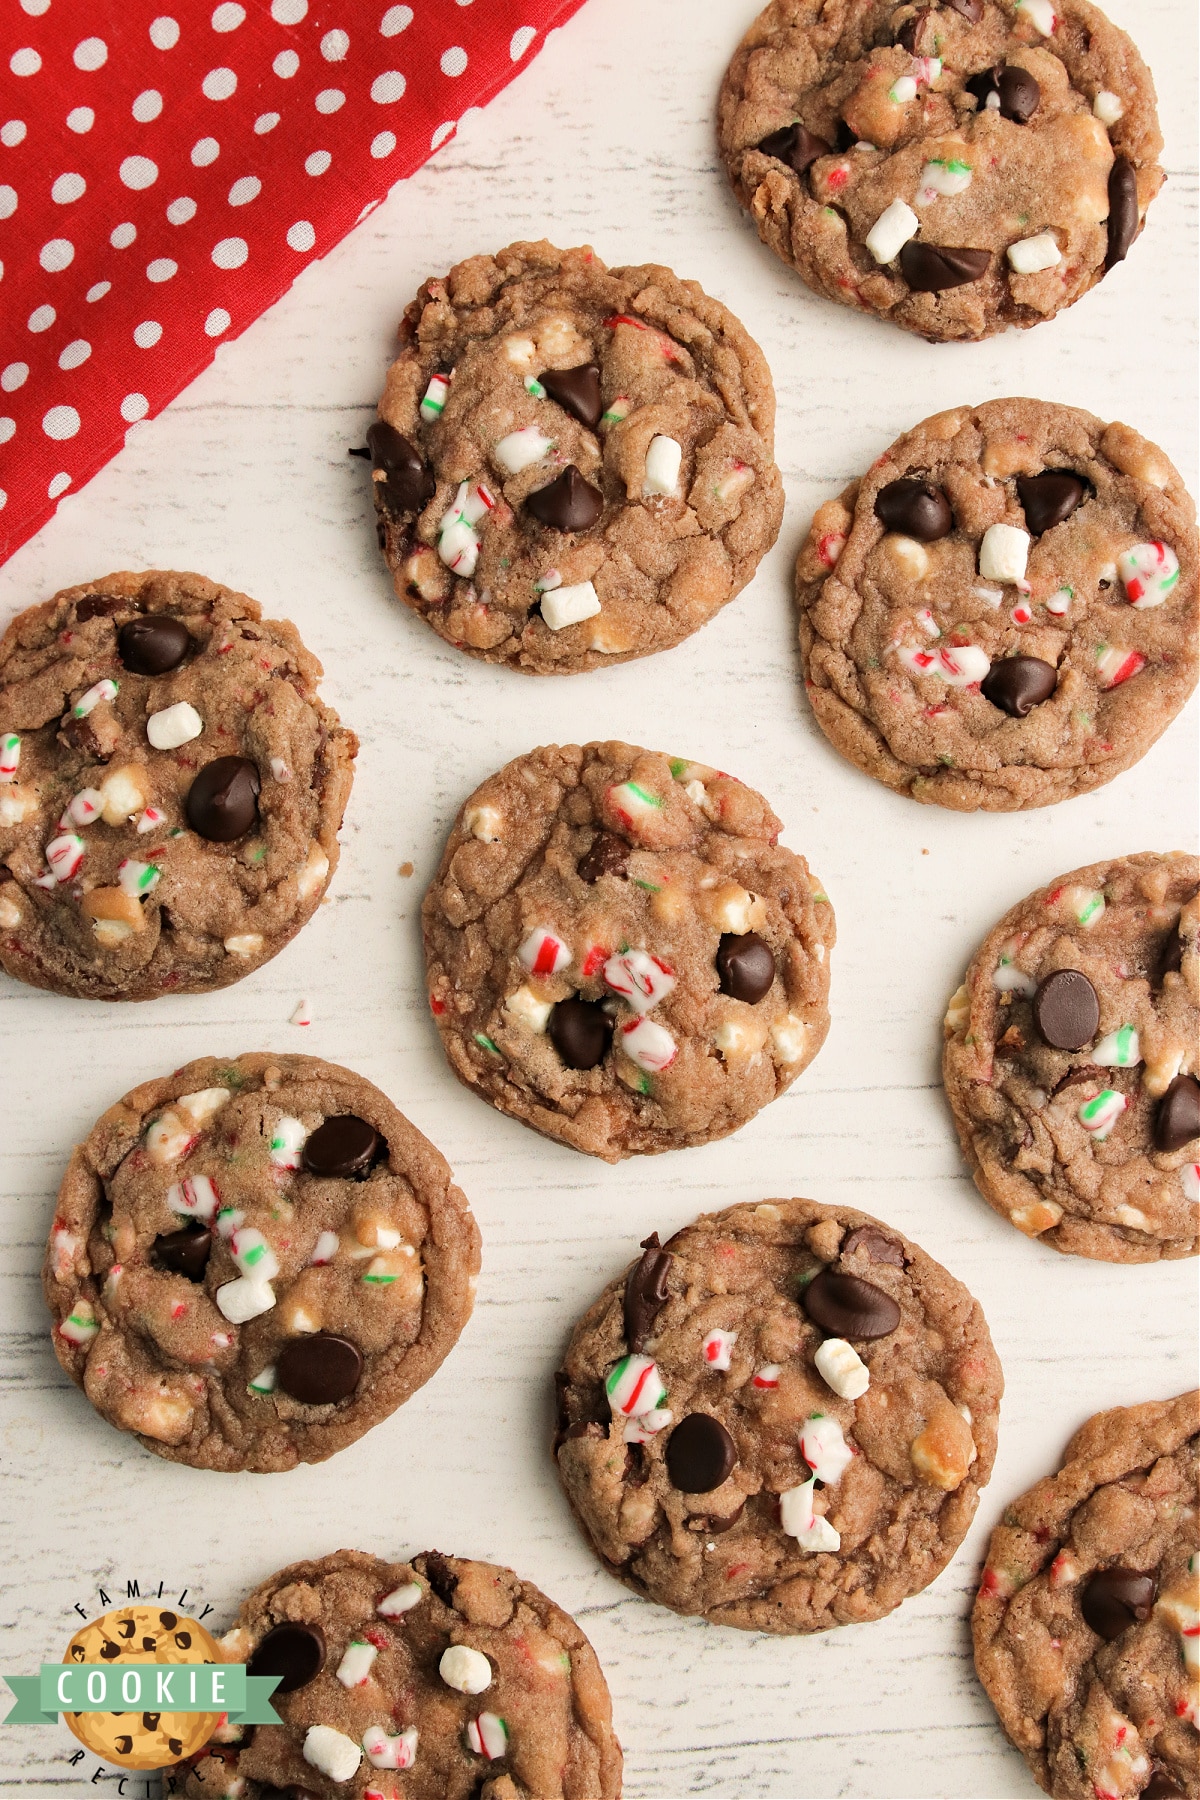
{"points": [[143, 1687]]}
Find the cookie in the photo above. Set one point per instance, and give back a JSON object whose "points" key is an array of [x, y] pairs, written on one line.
{"points": [[253, 1262], [620, 953], [572, 465], [171, 788], [142, 1634], [1086, 1622], [1070, 1061], [781, 1419], [956, 168], [1002, 613], [458, 1673]]}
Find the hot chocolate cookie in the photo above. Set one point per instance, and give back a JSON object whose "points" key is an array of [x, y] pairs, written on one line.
{"points": [[458, 1673], [253, 1262], [171, 788], [1088, 1616], [1071, 1060], [621, 954], [956, 166], [573, 465], [1002, 613], [781, 1419]]}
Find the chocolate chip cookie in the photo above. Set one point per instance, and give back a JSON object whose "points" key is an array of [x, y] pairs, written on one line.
{"points": [[1002, 613], [572, 465], [621, 954], [1087, 1621], [955, 167], [145, 1739], [171, 788], [1070, 1061], [253, 1262], [458, 1673], [781, 1419]]}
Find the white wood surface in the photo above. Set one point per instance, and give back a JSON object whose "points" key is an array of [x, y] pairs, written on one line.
{"points": [[608, 138]]}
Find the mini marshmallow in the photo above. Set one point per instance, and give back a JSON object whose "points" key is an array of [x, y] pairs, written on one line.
{"points": [[788, 1037], [891, 231], [173, 726], [244, 1299], [401, 1600], [467, 1671], [839, 1364], [563, 606], [1107, 107], [332, 1752], [1031, 255], [243, 943], [484, 822], [1004, 553], [521, 449], [663, 458]]}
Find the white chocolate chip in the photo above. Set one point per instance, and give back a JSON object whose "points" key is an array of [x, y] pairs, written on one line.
{"points": [[525, 1008], [1129, 1215], [731, 909], [17, 804], [467, 1671], [244, 943], [742, 1036], [10, 914], [1038, 1216], [203, 1104], [484, 823], [840, 1365], [312, 875], [1004, 553], [788, 1036], [908, 555], [663, 459], [332, 1752], [173, 726], [1031, 255], [122, 793], [1040, 13], [519, 350], [1107, 107], [521, 449], [565, 606], [891, 231]]}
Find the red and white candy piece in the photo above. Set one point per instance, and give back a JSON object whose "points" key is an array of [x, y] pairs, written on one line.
{"points": [[151, 820], [1148, 573], [1059, 603], [663, 459], [717, 1348], [958, 665], [137, 879], [488, 1736], [173, 726], [543, 952], [287, 1140], [1189, 1179], [648, 1045], [465, 1670], [824, 1448], [80, 1326], [811, 1530], [768, 1376], [647, 1425], [83, 809], [640, 978], [10, 756], [1115, 664], [355, 1668], [521, 449], [842, 1368], [434, 403], [64, 855], [1007, 978], [1118, 1049], [946, 176], [229, 1218], [195, 1198], [253, 1254], [325, 1249], [632, 803], [458, 540], [99, 690], [400, 1600], [332, 1752], [384, 1752], [1021, 613], [928, 623], [264, 1382], [1040, 13], [634, 1387], [1099, 1114]]}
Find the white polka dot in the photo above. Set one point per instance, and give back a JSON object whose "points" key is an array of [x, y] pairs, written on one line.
{"points": [[182, 210], [81, 119], [265, 122], [383, 143], [123, 235], [161, 269], [329, 100], [388, 87], [12, 133], [334, 46], [35, 8], [301, 235], [3, 499], [147, 334], [286, 64], [59, 484], [441, 134], [230, 253], [134, 407], [247, 188], [288, 12], [454, 60], [205, 151], [68, 188], [164, 32], [61, 422], [219, 84], [317, 163], [25, 62], [15, 376], [367, 210], [8, 202], [74, 353], [98, 291], [138, 172], [147, 106], [57, 255], [42, 318], [395, 20], [228, 16], [7, 427], [217, 321], [521, 40], [91, 54]]}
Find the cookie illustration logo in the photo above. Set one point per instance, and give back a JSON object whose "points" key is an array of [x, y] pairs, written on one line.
{"points": [[145, 1736]]}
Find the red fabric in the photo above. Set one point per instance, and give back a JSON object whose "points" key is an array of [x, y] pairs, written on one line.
{"points": [[167, 168]]}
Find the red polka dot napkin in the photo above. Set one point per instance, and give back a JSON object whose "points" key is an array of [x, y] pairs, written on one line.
{"points": [[165, 175]]}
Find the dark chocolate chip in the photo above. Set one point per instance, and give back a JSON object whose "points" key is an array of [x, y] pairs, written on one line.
{"points": [[296, 1653], [127, 1627], [846, 138], [183, 1252], [607, 854], [1170, 961], [440, 1576], [577, 391], [932, 268], [700, 1454], [796, 146], [183, 1639], [109, 1652], [847, 1307], [1016, 684], [983, 85], [878, 1246], [359, 450], [99, 606], [971, 10], [1177, 1120], [154, 644], [746, 966], [343, 1146], [581, 1032], [646, 1291], [906, 37], [150, 1720], [222, 802], [569, 503], [150, 1644], [1078, 1077], [319, 1370], [168, 1620], [1066, 1010], [409, 484], [915, 507], [1050, 499], [1122, 210], [124, 1744], [1019, 94], [1114, 1599], [175, 1746], [711, 1523], [1161, 1787]]}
